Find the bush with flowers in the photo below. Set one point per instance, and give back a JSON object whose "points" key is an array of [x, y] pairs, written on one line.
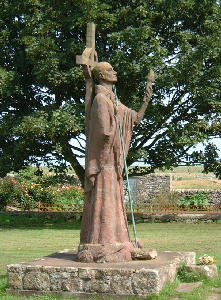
{"points": [[68, 198], [27, 190]]}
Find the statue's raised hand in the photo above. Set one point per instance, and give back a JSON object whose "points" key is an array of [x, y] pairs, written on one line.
{"points": [[149, 90], [87, 72]]}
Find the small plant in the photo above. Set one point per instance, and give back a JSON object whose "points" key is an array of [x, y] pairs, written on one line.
{"points": [[195, 201], [184, 276], [207, 260]]}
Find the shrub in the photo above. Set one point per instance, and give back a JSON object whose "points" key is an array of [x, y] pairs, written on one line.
{"points": [[195, 201], [31, 186], [14, 193], [69, 198], [6, 190], [40, 193], [35, 175], [26, 195]]}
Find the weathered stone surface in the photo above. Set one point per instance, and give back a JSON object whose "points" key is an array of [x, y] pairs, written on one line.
{"points": [[188, 287], [71, 284], [60, 273], [121, 285], [147, 281], [57, 280], [15, 280], [140, 254], [36, 281], [208, 270]]}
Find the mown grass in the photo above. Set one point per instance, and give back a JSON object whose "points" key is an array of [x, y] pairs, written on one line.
{"points": [[24, 238]]}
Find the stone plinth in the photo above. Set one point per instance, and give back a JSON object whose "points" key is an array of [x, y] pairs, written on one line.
{"points": [[61, 274]]}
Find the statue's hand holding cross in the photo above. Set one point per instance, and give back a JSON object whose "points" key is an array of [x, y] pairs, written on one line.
{"points": [[89, 57]]}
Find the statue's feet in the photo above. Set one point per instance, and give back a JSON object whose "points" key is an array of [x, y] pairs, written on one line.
{"points": [[117, 252], [141, 254], [101, 253]]}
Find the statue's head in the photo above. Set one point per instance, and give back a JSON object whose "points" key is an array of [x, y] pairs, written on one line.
{"points": [[104, 72]]}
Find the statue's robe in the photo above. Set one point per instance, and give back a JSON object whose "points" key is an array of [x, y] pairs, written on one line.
{"points": [[104, 217]]}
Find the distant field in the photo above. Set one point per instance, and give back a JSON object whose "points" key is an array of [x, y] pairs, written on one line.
{"points": [[185, 169], [180, 169], [192, 177], [185, 177], [207, 184]]}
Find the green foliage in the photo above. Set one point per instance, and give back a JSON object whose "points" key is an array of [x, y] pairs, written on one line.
{"points": [[185, 276], [212, 162], [31, 186], [6, 190], [195, 201], [36, 175], [17, 194], [69, 198], [42, 89]]}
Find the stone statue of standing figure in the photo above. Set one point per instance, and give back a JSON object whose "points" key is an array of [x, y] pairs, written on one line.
{"points": [[104, 229]]}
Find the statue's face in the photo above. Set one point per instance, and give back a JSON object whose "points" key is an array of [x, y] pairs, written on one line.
{"points": [[107, 73]]}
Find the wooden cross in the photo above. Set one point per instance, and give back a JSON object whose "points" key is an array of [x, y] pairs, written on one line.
{"points": [[89, 56], [88, 60]]}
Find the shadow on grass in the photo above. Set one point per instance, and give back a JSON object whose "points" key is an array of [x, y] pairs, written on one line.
{"points": [[39, 222]]}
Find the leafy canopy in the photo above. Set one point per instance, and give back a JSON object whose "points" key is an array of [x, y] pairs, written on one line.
{"points": [[42, 89]]}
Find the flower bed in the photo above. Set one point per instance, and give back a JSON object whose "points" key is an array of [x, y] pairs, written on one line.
{"points": [[28, 194]]}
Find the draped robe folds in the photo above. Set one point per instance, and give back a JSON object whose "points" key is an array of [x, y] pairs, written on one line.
{"points": [[104, 218]]}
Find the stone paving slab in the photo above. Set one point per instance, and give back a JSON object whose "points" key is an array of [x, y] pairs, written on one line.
{"points": [[214, 297], [216, 290], [62, 274], [188, 287]]}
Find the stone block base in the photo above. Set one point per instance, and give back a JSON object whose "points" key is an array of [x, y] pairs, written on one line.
{"points": [[209, 271], [61, 274]]}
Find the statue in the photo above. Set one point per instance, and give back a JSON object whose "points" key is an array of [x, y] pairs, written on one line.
{"points": [[104, 230]]}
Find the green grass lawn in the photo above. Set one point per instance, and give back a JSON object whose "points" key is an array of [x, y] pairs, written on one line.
{"points": [[24, 238]]}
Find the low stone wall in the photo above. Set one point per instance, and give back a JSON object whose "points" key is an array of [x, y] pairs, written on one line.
{"points": [[175, 217], [214, 196], [147, 188], [139, 217]]}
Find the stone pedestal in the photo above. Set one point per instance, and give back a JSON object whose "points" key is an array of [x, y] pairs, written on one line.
{"points": [[61, 274]]}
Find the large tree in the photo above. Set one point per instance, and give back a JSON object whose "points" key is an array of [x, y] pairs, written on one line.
{"points": [[42, 89]]}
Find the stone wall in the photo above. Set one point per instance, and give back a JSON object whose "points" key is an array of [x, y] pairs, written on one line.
{"points": [[145, 188], [214, 196], [141, 217]]}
